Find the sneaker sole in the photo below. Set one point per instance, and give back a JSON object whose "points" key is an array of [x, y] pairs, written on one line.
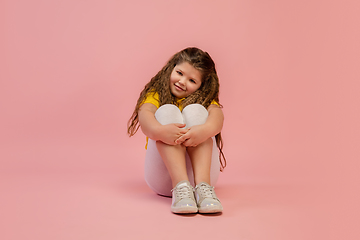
{"points": [[184, 210], [210, 210]]}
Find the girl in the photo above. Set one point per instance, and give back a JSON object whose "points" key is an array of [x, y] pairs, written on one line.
{"points": [[180, 113]]}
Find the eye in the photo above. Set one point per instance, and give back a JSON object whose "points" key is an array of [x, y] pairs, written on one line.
{"points": [[192, 80], [180, 73]]}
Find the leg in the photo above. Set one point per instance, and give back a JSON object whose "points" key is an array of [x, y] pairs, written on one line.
{"points": [[183, 199], [173, 156], [204, 157], [206, 198], [157, 175], [159, 169], [206, 168], [174, 159], [205, 162], [201, 160]]}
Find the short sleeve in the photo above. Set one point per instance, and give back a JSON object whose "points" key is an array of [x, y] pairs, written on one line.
{"points": [[152, 97]]}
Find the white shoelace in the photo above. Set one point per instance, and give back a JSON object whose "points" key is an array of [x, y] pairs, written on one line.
{"points": [[182, 192], [206, 191]]}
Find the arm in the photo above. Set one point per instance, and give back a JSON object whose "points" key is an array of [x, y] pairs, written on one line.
{"points": [[200, 133], [215, 120], [154, 130]]}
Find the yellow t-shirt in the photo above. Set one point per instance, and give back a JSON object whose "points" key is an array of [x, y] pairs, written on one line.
{"points": [[153, 97]]}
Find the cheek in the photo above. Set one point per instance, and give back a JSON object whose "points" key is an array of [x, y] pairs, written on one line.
{"points": [[193, 88], [172, 78]]}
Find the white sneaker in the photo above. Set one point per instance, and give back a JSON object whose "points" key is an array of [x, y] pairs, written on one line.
{"points": [[183, 200], [206, 198]]}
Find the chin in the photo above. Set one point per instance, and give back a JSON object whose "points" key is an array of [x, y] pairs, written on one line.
{"points": [[176, 95]]}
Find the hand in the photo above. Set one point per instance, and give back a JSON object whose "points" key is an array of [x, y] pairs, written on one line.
{"points": [[195, 135], [171, 132]]}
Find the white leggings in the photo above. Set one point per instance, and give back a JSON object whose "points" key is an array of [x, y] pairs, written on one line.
{"points": [[156, 174]]}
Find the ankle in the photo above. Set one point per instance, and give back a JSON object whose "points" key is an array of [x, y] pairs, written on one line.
{"points": [[177, 181], [198, 181]]}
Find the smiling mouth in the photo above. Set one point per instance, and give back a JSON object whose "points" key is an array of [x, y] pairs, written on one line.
{"points": [[179, 88]]}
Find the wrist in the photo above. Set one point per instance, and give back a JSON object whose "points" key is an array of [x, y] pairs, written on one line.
{"points": [[158, 132]]}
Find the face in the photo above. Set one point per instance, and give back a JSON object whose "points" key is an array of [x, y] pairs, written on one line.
{"points": [[184, 80]]}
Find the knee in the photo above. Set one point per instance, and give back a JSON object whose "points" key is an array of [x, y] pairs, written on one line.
{"points": [[168, 107], [168, 113], [195, 114], [195, 107]]}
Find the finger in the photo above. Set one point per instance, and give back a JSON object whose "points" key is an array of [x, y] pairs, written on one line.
{"points": [[185, 136], [181, 139], [188, 143], [184, 131], [180, 125]]}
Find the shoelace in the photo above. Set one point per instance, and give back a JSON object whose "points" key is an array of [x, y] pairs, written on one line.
{"points": [[183, 192], [206, 191]]}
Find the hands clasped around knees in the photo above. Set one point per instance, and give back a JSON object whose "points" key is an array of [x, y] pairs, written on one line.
{"points": [[172, 132], [175, 134], [195, 136]]}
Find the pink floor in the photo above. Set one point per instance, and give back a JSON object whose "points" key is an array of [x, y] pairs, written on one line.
{"points": [[54, 203], [111, 206]]}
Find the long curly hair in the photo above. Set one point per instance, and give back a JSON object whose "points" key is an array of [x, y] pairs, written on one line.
{"points": [[208, 91]]}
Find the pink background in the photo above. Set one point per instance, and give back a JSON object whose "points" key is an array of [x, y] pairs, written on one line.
{"points": [[71, 72]]}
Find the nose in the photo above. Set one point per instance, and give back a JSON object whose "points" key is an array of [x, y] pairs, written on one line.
{"points": [[182, 81]]}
